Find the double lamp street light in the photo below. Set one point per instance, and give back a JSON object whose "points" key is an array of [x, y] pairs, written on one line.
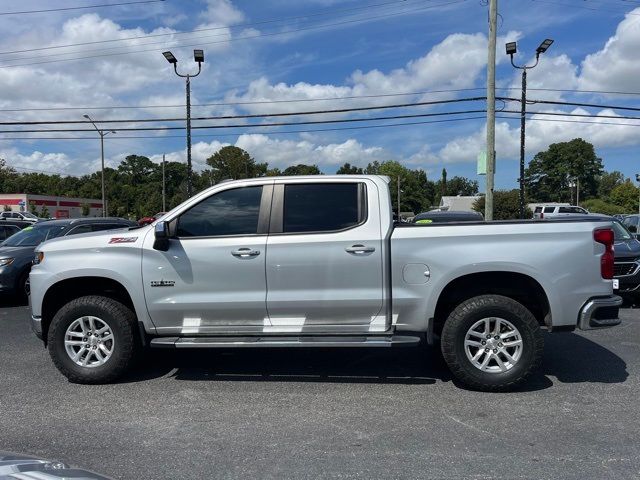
{"points": [[198, 56], [511, 50]]}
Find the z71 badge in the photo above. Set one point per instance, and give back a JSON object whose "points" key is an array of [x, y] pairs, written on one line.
{"points": [[123, 239], [163, 283]]}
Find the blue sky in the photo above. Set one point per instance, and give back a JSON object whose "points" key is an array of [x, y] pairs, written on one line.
{"points": [[281, 51]]}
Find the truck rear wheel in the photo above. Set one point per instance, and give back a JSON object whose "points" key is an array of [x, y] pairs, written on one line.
{"points": [[92, 339], [492, 343]]}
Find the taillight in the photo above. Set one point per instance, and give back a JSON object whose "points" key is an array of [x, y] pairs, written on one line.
{"points": [[541, 215], [605, 237]]}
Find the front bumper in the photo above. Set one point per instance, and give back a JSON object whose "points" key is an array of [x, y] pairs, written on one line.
{"points": [[36, 326], [600, 312]]}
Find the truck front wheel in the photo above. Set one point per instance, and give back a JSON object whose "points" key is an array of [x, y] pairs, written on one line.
{"points": [[491, 343], [92, 339]]}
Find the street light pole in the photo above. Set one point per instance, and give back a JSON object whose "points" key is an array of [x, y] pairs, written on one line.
{"points": [[102, 134], [164, 192], [198, 56], [511, 50]]}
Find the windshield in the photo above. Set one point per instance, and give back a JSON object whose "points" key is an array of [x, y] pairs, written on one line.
{"points": [[620, 233], [29, 215], [32, 236]]}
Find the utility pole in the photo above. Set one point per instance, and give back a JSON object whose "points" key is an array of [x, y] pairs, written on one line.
{"points": [[164, 194], [577, 191], [491, 109], [511, 50]]}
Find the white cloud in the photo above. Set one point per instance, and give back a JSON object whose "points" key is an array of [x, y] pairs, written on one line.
{"points": [[283, 153], [37, 161], [541, 132], [222, 12], [617, 65], [456, 62]]}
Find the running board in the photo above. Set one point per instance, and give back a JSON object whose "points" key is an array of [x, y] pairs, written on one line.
{"points": [[272, 341]]}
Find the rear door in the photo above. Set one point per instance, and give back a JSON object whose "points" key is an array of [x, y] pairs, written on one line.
{"points": [[324, 257]]}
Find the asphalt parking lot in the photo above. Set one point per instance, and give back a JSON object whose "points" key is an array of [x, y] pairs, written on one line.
{"points": [[330, 414]]}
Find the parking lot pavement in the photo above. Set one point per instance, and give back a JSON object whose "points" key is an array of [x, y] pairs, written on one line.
{"points": [[341, 414]]}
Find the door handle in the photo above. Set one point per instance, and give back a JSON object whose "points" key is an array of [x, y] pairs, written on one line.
{"points": [[360, 249], [245, 253]]}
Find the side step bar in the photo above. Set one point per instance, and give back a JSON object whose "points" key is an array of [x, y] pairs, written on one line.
{"points": [[289, 341]]}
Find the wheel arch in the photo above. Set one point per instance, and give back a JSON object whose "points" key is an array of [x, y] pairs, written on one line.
{"points": [[517, 286], [62, 292]]}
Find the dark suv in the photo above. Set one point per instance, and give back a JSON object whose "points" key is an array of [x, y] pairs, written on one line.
{"points": [[16, 252], [632, 222]]}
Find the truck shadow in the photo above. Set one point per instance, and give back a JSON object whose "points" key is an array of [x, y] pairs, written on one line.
{"points": [[569, 358]]}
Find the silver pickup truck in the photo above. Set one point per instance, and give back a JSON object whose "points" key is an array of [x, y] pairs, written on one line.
{"points": [[318, 262]]}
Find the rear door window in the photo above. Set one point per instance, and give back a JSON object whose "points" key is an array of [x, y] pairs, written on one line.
{"points": [[549, 209], [321, 207]]}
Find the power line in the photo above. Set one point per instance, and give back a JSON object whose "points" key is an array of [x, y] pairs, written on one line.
{"points": [[273, 124], [197, 30], [166, 42], [340, 110], [249, 37], [572, 121], [577, 104], [586, 8], [210, 135], [257, 102], [80, 8], [306, 100], [261, 115]]}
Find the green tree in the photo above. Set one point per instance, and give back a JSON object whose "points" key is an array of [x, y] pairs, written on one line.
{"points": [[302, 169], [549, 174], [607, 182], [625, 196], [506, 205], [232, 162], [348, 169], [44, 213], [6, 208], [86, 209]]}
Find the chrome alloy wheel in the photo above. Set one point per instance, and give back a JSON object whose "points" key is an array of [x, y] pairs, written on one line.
{"points": [[89, 341], [493, 345]]}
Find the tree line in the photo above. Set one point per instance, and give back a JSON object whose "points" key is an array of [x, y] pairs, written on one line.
{"points": [[134, 188]]}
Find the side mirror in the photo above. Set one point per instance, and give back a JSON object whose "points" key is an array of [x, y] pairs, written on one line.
{"points": [[161, 233], [632, 228]]}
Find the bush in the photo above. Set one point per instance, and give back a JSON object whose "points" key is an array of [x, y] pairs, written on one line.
{"points": [[595, 205], [506, 205]]}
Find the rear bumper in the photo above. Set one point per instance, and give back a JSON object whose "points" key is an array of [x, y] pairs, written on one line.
{"points": [[600, 312]]}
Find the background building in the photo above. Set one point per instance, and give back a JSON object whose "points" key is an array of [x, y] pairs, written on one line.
{"points": [[52, 206]]}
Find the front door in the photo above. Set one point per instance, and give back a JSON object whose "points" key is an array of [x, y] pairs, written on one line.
{"points": [[212, 278], [324, 258]]}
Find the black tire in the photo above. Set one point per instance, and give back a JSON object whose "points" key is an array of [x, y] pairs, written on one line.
{"points": [[21, 287], [463, 317], [121, 321]]}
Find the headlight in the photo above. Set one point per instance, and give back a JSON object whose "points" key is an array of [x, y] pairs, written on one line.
{"points": [[39, 258], [5, 261]]}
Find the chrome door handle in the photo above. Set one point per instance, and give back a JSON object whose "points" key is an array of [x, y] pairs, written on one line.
{"points": [[245, 253], [360, 249]]}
